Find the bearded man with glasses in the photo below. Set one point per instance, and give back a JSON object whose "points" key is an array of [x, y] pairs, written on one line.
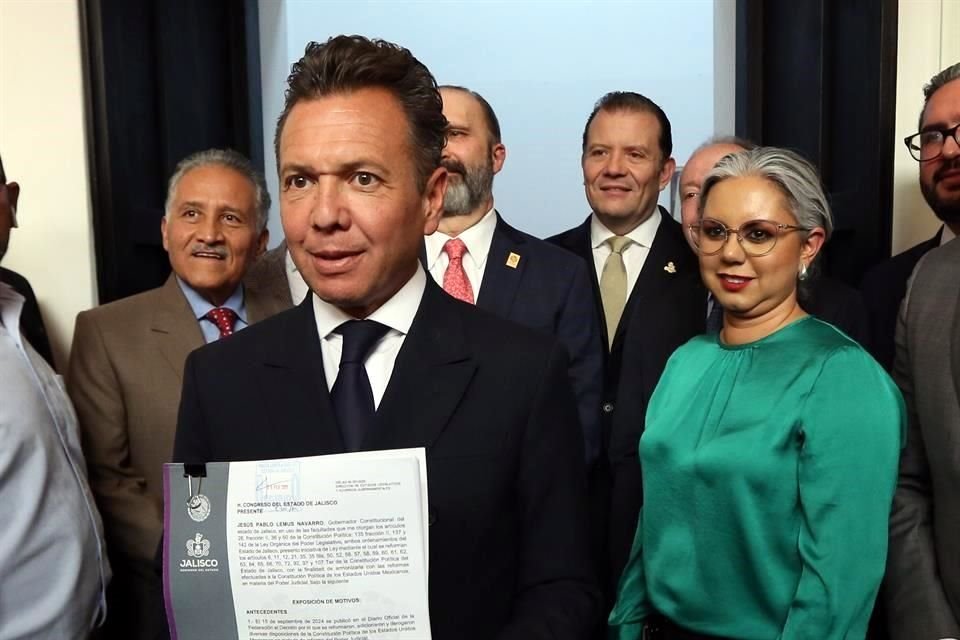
{"points": [[922, 584], [936, 148]]}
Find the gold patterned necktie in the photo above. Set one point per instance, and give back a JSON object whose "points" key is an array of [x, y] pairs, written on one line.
{"points": [[613, 285]]}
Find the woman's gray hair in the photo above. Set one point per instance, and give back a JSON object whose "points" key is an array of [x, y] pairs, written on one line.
{"points": [[232, 160], [794, 176]]}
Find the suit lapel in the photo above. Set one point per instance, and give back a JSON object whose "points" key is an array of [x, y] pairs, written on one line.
{"points": [[431, 374], [264, 299], [955, 344], [294, 383], [500, 280], [266, 288], [174, 327], [579, 243], [659, 270]]}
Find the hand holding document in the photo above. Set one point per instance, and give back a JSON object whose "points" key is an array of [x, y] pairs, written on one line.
{"points": [[301, 548]]}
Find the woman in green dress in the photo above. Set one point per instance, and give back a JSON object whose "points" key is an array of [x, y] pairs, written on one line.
{"points": [[770, 452]]}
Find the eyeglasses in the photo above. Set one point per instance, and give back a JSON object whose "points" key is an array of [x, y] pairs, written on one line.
{"points": [[756, 237], [928, 145]]}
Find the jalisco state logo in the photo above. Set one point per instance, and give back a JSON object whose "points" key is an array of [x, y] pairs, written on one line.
{"points": [[198, 547]]}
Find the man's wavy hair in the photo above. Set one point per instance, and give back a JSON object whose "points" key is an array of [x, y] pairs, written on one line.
{"points": [[344, 64]]}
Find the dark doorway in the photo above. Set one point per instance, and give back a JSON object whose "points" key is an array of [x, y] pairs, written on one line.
{"points": [[819, 77], [165, 78]]}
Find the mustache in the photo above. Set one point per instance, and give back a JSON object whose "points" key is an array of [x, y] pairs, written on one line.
{"points": [[220, 252], [948, 165], [454, 166]]}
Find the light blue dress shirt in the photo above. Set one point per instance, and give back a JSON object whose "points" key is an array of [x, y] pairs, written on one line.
{"points": [[53, 564], [201, 308]]}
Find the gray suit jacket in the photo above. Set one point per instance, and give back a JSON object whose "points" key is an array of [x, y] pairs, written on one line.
{"points": [[922, 586]]}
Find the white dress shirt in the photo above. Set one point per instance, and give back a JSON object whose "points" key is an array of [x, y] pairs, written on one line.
{"points": [[53, 563], [477, 238], [396, 313], [634, 255], [296, 283], [947, 235]]}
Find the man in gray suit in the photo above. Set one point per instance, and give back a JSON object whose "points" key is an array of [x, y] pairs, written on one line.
{"points": [[126, 367], [922, 586]]}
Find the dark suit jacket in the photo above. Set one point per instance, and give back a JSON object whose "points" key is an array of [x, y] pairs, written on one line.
{"points": [[548, 289], [839, 304], [31, 322], [489, 400], [883, 288], [666, 308]]}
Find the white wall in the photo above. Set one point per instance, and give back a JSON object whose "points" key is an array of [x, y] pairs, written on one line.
{"points": [[43, 145], [542, 65], [927, 42]]}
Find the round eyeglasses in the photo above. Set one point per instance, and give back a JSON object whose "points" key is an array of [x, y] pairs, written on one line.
{"points": [[928, 145], [756, 237]]}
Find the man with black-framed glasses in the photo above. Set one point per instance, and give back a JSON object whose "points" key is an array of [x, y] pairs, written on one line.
{"points": [[922, 585], [935, 147]]}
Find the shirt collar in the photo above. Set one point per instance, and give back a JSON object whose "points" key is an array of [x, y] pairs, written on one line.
{"points": [[478, 239], [202, 307], [396, 313], [11, 304], [642, 234], [947, 235], [288, 262]]}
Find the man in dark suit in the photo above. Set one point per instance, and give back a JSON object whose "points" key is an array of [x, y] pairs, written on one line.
{"points": [[647, 289], [828, 299], [378, 357], [31, 322], [885, 285], [478, 258]]}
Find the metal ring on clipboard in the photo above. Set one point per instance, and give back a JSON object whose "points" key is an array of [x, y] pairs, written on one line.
{"points": [[198, 505], [193, 499]]}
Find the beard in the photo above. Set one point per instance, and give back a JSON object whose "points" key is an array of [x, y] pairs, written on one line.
{"points": [[946, 209], [467, 188]]}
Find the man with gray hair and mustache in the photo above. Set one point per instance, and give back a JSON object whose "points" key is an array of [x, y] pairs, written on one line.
{"points": [[480, 259], [126, 367]]}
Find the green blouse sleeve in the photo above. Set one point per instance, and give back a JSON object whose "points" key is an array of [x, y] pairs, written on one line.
{"points": [[851, 430], [626, 619]]}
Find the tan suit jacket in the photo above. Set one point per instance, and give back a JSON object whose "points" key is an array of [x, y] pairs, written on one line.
{"points": [[125, 376], [269, 275]]}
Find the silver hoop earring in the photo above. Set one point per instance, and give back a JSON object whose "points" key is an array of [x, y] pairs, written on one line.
{"points": [[803, 272]]}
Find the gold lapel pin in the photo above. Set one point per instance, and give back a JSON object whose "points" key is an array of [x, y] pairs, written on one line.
{"points": [[670, 268], [513, 260]]}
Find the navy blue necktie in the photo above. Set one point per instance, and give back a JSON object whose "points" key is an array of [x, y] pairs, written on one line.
{"points": [[351, 394]]}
